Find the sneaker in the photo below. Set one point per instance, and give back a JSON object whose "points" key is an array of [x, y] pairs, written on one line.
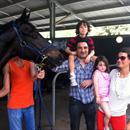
{"points": [[73, 82]]}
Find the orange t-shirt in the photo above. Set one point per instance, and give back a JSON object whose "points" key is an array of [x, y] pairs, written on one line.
{"points": [[21, 94]]}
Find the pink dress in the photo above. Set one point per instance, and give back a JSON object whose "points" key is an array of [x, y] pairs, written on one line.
{"points": [[103, 84]]}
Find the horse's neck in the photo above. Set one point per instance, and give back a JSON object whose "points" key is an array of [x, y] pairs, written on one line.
{"points": [[6, 46], [7, 35]]}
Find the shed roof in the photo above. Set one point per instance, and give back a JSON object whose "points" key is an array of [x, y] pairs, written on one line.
{"points": [[68, 12]]}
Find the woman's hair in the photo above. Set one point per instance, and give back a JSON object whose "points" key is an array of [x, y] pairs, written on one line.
{"points": [[80, 23], [103, 59], [126, 50]]}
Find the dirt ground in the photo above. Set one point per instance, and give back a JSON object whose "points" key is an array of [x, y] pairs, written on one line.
{"points": [[62, 117]]}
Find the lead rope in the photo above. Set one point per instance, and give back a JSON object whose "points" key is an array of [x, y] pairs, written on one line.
{"points": [[41, 105]]}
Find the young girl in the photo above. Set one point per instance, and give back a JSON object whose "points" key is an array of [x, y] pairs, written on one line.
{"points": [[101, 80]]}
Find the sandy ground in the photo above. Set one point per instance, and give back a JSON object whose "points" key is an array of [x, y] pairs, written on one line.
{"points": [[62, 117]]}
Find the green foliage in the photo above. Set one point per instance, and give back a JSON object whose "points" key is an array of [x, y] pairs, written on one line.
{"points": [[114, 30]]}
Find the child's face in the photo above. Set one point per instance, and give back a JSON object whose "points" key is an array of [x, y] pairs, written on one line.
{"points": [[101, 66], [83, 29]]}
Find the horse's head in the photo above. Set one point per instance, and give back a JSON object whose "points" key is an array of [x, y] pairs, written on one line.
{"points": [[30, 45]]}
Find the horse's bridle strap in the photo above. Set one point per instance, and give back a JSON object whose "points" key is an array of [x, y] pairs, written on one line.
{"points": [[23, 43]]}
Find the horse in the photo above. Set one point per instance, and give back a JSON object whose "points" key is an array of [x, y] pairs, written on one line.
{"points": [[21, 38]]}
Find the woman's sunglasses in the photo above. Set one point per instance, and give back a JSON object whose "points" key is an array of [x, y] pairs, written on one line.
{"points": [[121, 58]]}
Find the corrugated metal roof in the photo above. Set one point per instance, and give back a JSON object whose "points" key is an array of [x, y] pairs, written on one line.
{"points": [[68, 12]]}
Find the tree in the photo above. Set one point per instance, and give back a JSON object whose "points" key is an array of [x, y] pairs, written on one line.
{"points": [[115, 30]]}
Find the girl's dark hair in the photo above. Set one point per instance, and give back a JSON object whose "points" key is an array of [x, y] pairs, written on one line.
{"points": [[80, 23], [126, 50], [103, 59]]}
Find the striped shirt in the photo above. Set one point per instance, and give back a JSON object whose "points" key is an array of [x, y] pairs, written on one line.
{"points": [[72, 44], [82, 73]]}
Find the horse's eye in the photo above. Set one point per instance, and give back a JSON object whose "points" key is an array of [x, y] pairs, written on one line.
{"points": [[26, 29], [34, 35]]}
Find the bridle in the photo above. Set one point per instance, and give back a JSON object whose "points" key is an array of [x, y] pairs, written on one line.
{"points": [[32, 47]]}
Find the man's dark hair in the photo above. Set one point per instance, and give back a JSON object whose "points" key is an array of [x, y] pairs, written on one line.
{"points": [[126, 50]]}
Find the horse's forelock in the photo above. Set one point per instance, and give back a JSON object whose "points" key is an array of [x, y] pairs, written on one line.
{"points": [[23, 25]]}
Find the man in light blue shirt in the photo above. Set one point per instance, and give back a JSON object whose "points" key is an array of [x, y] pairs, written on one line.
{"points": [[81, 96]]}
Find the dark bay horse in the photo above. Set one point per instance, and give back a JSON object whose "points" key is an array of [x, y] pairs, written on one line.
{"points": [[20, 38]]}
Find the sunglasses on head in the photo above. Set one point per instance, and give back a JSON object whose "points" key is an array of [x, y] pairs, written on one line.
{"points": [[121, 58]]}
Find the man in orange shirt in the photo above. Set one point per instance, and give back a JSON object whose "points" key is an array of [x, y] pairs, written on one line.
{"points": [[19, 76]]}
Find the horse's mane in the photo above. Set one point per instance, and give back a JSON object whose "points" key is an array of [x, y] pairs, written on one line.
{"points": [[6, 26]]}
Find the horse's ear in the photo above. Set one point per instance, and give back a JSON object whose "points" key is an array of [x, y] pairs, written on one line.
{"points": [[25, 15]]}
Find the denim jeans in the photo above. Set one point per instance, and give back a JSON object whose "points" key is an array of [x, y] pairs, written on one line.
{"points": [[17, 116], [76, 109]]}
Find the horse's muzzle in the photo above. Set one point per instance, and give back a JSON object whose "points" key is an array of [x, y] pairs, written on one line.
{"points": [[52, 62]]}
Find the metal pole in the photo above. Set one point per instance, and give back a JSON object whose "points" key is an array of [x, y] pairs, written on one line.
{"points": [[54, 98], [52, 21]]}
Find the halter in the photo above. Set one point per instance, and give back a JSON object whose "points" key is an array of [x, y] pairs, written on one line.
{"points": [[32, 47]]}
